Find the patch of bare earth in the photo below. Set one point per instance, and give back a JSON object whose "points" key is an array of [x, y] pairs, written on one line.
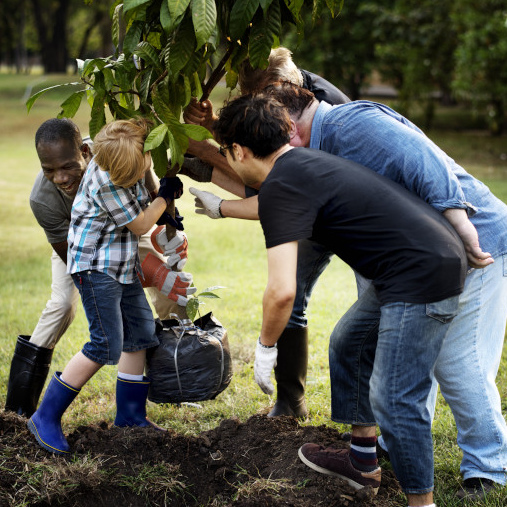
{"points": [[251, 464]]}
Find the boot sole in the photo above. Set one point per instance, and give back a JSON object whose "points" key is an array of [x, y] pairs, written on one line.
{"points": [[44, 445], [348, 480]]}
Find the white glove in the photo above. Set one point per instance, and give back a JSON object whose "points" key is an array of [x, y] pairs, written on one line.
{"points": [[176, 249], [265, 361], [206, 203]]}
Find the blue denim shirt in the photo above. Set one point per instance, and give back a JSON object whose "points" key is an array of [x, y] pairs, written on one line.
{"points": [[379, 138]]}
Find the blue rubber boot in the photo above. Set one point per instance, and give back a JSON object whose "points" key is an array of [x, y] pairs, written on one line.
{"points": [[131, 398], [45, 423]]}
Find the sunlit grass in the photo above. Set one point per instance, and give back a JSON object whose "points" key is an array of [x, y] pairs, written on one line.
{"points": [[222, 252]]}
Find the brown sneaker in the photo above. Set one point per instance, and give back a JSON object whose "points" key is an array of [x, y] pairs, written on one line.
{"points": [[336, 462]]}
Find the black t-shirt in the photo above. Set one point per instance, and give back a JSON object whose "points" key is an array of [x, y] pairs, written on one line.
{"points": [[381, 230], [323, 89]]}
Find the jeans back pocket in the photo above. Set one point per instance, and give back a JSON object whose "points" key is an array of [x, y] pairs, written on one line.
{"points": [[443, 311]]}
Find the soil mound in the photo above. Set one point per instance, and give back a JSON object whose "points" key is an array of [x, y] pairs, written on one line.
{"points": [[250, 464]]}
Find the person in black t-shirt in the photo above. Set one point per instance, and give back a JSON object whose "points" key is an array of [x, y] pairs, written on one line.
{"points": [[291, 367], [413, 255]]}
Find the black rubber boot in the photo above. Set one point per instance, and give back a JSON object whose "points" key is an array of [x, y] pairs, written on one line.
{"points": [[29, 370], [290, 373]]}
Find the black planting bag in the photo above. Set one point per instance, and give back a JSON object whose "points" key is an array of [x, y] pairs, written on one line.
{"points": [[191, 363]]}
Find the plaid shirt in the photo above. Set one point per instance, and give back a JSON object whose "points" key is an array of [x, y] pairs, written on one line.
{"points": [[98, 237]]}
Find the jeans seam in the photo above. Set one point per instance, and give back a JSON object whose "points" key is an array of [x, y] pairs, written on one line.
{"points": [[99, 317], [358, 368]]}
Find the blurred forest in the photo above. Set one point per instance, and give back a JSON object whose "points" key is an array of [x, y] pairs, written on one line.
{"points": [[427, 52]]}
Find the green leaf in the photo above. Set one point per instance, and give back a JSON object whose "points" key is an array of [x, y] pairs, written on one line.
{"points": [[262, 36], [181, 48], [196, 86], [155, 137], [108, 78], [204, 17], [242, 14], [120, 113], [98, 116], [208, 295], [115, 28], [132, 37], [177, 7], [196, 132], [71, 105], [148, 53], [266, 3], [128, 5], [160, 159], [192, 307], [144, 89], [231, 79], [35, 96]]}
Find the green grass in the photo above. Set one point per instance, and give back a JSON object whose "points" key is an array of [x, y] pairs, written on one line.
{"points": [[221, 252]]}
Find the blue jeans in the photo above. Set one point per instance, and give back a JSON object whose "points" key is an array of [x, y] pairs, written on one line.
{"points": [[467, 367], [382, 359], [119, 316], [313, 259]]}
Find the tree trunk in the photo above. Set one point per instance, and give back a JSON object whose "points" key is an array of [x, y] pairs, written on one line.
{"points": [[53, 37]]}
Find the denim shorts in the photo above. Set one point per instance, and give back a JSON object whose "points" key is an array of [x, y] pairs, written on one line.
{"points": [[119, 316]]}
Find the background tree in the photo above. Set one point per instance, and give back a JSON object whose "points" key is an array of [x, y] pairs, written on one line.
{"points": [[481, 56], [416, 42], [341, 49]]}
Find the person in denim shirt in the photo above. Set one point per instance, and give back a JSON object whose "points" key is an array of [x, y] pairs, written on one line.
{"points": [[379, 138], [417, 272]]}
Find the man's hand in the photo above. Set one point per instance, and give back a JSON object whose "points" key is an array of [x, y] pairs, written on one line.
{"points": [[176, 249], [206, 203], [265, 361], [459, 220], [199, 113]]}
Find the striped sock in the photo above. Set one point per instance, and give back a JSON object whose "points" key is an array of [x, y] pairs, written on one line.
{"points": [[363, 453]]}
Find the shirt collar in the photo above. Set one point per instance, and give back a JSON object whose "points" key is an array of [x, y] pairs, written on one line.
{"points": [[318, 119]]}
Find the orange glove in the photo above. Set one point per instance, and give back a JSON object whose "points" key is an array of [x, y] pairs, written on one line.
{"points": [[176, 250], [173, 284]]}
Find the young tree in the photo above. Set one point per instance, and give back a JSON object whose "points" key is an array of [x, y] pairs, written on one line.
{"points": [[168, 50]]}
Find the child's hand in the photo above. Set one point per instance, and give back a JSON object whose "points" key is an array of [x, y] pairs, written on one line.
{"points": [[170, 189]]}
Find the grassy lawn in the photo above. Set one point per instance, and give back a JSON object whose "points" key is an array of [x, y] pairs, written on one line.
{"points": [[222, 252]]}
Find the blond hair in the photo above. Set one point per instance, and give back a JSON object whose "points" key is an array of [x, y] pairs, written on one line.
{"points": [[280, 68], [119, 149]]}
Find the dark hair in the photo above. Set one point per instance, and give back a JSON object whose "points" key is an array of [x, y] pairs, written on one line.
{"points": [[258, 122], [58, 129], [293, 97]]}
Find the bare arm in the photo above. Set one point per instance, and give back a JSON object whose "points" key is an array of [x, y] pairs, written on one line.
{"points": [[151, 181], [247, 209], [222, 180], [148, 217], [207, 151], [280, 291], [459, 220], [61, 250]]}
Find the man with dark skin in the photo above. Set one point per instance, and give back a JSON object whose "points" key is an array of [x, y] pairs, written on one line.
{"points": [[63, 156]]}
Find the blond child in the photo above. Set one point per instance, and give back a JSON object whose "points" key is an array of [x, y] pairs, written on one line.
{"points": [[109, 214]]}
